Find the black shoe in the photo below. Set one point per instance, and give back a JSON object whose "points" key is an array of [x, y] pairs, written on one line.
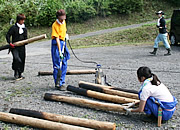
{"points": [[168, 53], [63, 88], [57, 87], [154, 51], [20, 76], [16, 76]]}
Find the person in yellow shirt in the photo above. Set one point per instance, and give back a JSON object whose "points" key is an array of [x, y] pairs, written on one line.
{"points": [[58, 41]]}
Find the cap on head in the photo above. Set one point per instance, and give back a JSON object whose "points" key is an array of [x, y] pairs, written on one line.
{"points": [[61, 14], [160, 12]]}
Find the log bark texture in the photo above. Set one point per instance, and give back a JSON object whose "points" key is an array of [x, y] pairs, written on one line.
{"points": [[100, 125], [107, 90], [23, 42], [37, 123], [101, 96], [85, 102], [69, 72], [82, 83]]}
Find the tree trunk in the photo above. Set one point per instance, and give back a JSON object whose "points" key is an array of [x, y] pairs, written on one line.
{"points": [[37, 123], [107, 90], [66, 119], [82, 83], [23, 42], [101, 96], [85, 102], [69, 72]]}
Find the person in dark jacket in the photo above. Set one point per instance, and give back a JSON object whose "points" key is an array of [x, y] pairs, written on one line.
{"points": [[18, 32], [162, 36]]}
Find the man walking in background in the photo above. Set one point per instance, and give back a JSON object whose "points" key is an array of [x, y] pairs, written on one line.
{"points": [[18, 32], [162, 36]]}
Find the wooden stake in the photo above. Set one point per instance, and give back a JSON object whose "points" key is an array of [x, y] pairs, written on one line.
{"points": [[85, 102], [66, 119], [101, 88], [70, 72], [101, 96], [37, 123], [82, 83]]}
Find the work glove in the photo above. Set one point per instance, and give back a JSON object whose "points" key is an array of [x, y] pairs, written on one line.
{"points": [[67, 37], [61, 56], [12, 45], [128, 111]]}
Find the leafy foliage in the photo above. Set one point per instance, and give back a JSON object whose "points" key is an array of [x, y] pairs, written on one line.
{"points": [[42, 12], [79, 10]]}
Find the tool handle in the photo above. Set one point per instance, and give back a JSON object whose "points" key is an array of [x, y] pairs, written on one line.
{"points": [[159, 116]]}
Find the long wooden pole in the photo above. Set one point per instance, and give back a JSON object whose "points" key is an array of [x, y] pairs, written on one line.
{"points": [[101, 96], [69, 72], [23, 42], [82, 83], [101, 88], [30, 40], [100, 125], [85, 102], [37, 123]]}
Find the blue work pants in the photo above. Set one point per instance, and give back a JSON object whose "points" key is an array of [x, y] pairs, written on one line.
{"points": [[163, 38], [56, 61]]}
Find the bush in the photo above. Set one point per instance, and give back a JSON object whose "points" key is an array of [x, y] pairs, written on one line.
{"points": [[175, 2], [102, 7], [30, 9], [47, 13], [126, 6], [79, 10], [8, 11]]}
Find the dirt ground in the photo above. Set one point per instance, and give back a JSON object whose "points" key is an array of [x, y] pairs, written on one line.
{"points": [[119, 63]]}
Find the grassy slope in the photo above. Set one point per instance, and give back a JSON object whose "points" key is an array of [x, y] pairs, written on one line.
{"points": [[147, 14], [142, 35]]}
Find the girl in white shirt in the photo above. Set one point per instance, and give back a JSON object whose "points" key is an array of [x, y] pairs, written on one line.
{"points": [[153, 94]]}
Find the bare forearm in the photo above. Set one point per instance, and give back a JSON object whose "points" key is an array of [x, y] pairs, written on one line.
{"points": [[140, 108], [58, 44]]}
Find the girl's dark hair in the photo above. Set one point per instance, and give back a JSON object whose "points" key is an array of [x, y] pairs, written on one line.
{"points": [[146, 72], [20, 17]]}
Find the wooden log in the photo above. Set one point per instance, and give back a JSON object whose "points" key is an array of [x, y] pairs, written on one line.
{"points": [[69, 72], [23, 42], [102, 89], [101, 96], [74, 72], [30, 40], [100, 125], [85, 102], [37, 123], [43, 73], [82, 83]]}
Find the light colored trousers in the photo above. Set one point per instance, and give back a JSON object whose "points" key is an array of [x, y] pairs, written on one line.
{"points": [[163, 38]]}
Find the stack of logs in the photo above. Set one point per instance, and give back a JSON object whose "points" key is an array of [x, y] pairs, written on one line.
{"points": [[127, 98], [98, 91], [44, 120]]}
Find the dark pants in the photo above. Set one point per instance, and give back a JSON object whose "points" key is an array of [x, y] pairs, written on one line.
{"points": [[19, 55]]}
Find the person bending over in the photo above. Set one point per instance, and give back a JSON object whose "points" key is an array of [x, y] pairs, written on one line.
{"points": [[153, 94]]}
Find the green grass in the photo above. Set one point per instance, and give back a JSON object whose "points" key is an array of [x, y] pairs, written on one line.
{"points": [[99, 23], [142, 35]]}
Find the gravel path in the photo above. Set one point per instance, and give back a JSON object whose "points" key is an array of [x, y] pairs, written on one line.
{"points": [[119, 63]]}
